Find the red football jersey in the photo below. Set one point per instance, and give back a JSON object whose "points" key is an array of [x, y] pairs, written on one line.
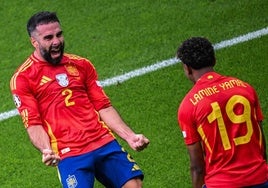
{"points": [[223, 113], [65, 99]]}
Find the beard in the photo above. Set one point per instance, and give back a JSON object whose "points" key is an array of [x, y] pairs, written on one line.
{"points": [[46, 54]]}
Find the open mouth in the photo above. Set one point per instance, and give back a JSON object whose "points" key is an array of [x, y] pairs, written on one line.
{"points": [[55, 52]]}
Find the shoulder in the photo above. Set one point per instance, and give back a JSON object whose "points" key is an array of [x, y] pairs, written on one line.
{"points": [[25, 66], [78, 61], [186, 107], [80, 64], [24, 69], [76, 58], [236, 82]]}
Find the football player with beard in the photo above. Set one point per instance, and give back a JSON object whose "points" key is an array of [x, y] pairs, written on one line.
{"points": [[67, 115]]}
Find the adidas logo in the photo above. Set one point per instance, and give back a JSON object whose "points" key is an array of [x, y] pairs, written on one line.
{"points": [[44, 80]]}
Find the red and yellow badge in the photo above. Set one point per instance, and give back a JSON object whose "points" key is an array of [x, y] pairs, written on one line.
{"points": [[71, 69]]}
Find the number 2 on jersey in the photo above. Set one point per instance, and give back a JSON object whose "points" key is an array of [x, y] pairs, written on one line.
{"points": [[68, 94], [216, 114]]}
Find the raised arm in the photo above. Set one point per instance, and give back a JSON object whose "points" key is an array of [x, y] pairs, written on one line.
{"points": [[114, 121]]}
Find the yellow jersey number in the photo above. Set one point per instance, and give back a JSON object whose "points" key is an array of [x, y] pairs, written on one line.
{"points": [[68, 94], [245, 117]]}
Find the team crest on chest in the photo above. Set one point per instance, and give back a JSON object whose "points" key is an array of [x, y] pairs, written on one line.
{"points": [[62, 80], [71, 69]]}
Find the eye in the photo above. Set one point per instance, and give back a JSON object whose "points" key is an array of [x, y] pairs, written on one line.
{"points": [[48, 37], [59, 34]]}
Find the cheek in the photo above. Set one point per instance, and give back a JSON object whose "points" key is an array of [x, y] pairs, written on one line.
{"points": [[44, 45], [61, 39]]}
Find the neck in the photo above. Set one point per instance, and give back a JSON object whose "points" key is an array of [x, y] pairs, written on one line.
{"points": [[38, 56], [199, 73]]}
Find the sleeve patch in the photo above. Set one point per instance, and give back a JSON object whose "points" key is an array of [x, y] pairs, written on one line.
{"points": [[17, 100]]}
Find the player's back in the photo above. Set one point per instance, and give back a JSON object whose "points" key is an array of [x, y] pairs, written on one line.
{"points": [[227, 115]]}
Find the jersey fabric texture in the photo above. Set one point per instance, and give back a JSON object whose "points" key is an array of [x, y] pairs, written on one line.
{"points": [[223, 113], [110, 164], [263, 185], [65, 100]]}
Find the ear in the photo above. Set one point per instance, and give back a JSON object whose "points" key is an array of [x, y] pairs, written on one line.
{"points": [[34, 42], [188, 70]]}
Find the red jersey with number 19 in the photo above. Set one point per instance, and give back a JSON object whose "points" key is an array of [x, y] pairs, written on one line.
{"points": [[65, 100], [224, 113]]}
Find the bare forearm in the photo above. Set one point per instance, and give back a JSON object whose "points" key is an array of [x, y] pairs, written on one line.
{"points": [[113, 120], [41, 141], [197, 178], [39, 137], [197, 164]]}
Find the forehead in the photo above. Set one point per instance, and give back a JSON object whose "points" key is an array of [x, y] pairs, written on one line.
{"points": [[48, 29]]}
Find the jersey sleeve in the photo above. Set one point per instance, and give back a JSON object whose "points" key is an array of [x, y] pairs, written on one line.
{"points": [[24, 100], [95, 92], [187, 124]]}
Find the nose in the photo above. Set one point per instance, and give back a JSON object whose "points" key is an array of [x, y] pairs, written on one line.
{"points": [[56, 41]]}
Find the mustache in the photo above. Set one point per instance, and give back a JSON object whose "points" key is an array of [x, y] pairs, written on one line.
{"points": [[56, 48], [47, 54]]}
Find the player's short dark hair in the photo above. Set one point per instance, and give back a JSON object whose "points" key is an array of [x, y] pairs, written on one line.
{"points": [[197, 53], [39, 18]]}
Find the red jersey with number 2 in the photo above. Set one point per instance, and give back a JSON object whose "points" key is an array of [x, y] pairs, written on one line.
{"points": [[65, 99], [223, 113]]}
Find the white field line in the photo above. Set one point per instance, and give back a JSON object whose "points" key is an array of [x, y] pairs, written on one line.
{"points": [[159, 65]]}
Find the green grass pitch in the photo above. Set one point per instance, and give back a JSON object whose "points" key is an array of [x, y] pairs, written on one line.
{"points": [[120, 36]]}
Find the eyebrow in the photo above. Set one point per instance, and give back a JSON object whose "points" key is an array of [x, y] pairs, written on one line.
{"points": [[51, 36]]}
